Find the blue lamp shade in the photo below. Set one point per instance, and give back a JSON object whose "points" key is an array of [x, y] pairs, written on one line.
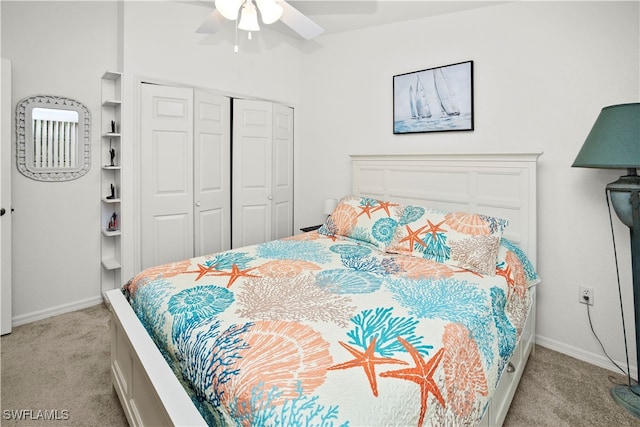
{"points": [[614, 140]]}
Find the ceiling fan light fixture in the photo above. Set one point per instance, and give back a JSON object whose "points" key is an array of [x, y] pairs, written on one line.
{"points": [[269, 10], [249, 17], [229, 8]]}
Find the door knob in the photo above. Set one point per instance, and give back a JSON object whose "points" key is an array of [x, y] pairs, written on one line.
{"points": [[198, 204], [270, 197], [2, 211]]}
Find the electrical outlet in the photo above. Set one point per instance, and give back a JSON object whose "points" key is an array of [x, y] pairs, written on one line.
{"points": [[586, 295]]}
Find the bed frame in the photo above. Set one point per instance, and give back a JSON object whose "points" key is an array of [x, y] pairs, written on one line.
{"points": [[502, 185]]}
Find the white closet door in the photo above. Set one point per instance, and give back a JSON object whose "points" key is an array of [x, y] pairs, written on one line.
{"points": [[282, 171], [212, 173], [166, 174], [252, 172]]}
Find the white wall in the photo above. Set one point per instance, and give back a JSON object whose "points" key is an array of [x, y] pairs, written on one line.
{"points": [[59, 49], [543, 71]]}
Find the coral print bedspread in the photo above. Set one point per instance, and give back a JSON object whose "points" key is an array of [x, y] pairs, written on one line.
{"points": [[388, 315]]}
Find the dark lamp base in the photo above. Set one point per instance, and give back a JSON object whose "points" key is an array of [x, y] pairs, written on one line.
{"points": [[624, 396]]}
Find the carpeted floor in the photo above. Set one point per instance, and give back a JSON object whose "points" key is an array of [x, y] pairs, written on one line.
{"points": [[61, 365]]}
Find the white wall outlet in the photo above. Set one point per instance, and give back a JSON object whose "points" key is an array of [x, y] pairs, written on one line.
{"points": [[586, 294]]}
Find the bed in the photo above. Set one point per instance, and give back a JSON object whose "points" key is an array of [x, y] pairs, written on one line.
{"points": [[414, 304]]}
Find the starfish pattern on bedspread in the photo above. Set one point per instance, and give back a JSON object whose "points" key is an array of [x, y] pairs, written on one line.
{"points": [[385, 206], [422, 374], [433, 229], [366, 209], [203, 271], [414, 237], [506, 273], [234, 274], [367, 360]]}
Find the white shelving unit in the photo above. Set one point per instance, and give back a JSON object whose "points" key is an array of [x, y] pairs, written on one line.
{"points": [[110, 200]]}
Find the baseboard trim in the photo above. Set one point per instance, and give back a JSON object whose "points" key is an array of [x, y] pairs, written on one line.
{"points": [[586, 356], [54, 311]]}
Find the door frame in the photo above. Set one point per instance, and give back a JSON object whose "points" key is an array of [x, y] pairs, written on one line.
{"points": [[5, 197]]}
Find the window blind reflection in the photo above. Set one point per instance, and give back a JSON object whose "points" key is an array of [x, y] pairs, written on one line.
{"points": [[55, 138]]}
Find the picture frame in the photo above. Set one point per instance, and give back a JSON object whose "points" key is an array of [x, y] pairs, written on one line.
{"points": [[438, 99]]}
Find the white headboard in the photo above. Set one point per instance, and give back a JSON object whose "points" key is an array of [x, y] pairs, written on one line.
{"points": [[500, 185]]}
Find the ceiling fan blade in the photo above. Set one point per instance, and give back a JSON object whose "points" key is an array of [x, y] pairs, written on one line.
{"points": [[212, 24], [298, 22]]}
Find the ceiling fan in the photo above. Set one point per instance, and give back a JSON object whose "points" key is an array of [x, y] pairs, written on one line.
{"points": [[270, 12]]}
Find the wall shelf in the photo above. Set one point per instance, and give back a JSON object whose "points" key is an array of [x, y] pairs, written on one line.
{"points": [[114, 233], [111, 264], [111, 103], [110, 146]]}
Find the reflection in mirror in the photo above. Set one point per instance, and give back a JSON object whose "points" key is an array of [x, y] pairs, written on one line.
{"points": [[53, 138]]}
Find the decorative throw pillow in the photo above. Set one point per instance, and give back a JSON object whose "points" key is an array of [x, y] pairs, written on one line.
{"points": [[462, 239], [364, 219]]}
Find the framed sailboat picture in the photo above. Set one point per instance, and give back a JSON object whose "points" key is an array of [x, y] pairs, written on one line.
{"points": [[434, 100]]}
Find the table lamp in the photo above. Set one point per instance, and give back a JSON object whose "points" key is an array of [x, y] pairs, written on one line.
{"points": [[614, 143], [329, 206]]}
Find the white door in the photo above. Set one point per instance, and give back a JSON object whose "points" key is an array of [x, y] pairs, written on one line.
{"points": [[166, 174], [262, 171], [212, 173], [282, 171], [251, 168], [5, 197]]}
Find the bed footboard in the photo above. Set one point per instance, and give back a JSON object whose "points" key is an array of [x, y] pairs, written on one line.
{"points": [[148, 390]]}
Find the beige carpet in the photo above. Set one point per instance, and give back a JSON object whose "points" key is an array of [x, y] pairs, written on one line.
{"points": [[61, 365]]}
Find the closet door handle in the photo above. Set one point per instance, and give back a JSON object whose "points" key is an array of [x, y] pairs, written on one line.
{"points": [[2, 211], [270, 197], [198, 204]]}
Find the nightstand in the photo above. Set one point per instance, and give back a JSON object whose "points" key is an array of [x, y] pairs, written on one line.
{"points": [[312, 228]]}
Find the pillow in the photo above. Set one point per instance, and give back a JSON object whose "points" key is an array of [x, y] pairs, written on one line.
{"points": [[363, 219], [462, 239]]}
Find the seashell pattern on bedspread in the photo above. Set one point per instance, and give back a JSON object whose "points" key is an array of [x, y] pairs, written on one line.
{"points": [[323, 330]]}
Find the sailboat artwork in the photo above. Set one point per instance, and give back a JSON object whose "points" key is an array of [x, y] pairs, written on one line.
{"points": [[419, 106], [434, 100]]}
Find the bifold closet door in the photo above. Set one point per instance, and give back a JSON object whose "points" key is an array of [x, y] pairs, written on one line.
{"points": [[184, 174], [212, 173], [166, 174], [262, 172]]}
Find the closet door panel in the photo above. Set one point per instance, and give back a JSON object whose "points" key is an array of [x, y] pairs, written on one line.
{"points": [[212, 173], [169, 231], [282, 171], [170, 166], [252, 172], [166, 174]]}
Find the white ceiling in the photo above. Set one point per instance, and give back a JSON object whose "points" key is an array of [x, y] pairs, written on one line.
{"points": [[337, 16]]}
